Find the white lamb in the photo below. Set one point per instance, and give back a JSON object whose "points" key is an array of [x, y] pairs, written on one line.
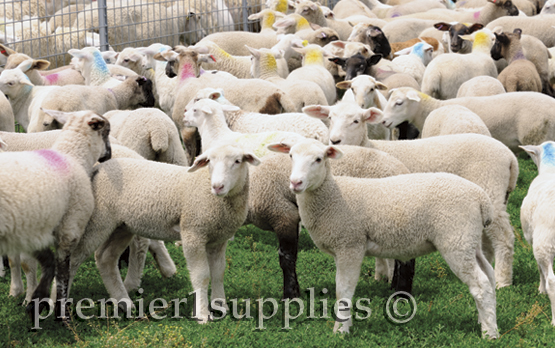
{"points": [[36, 223], [413, 60], [93, 67], [365, 91], [536, 216], [453, 119], [350, 218], [480, 86]]}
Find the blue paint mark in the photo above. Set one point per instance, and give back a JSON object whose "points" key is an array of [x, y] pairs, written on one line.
{"points": [[548, 154], [100, 63], [418, 49]]}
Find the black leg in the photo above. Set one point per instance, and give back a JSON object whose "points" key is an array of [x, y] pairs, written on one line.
{"points": [[288, 248], [62, 281], [403, 276], [46, 260]]}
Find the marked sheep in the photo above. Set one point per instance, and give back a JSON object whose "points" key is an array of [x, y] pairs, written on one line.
{"points": [[536, 216], [312, 12], [513, 118], [453, 119], [459, 154], [93, 67], [430, 208], [454, 31], [202, 209], [480, 86], [67, 168]]}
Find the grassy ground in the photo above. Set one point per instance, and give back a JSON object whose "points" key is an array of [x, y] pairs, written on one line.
{"points": [[445, 316]]}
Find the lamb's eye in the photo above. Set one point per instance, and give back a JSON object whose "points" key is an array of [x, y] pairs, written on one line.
{"points": [[318, 160], [238, 161], [10, 83], [355, 121], [291, 156], [371, 90], [126, 60], [399, 103], [195, 110]]}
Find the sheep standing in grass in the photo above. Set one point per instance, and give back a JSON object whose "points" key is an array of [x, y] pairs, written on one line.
{"points": [[350, 218], [536, 215], [32, 181]]}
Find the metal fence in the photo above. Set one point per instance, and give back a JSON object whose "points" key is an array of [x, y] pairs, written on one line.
{"points": [[47, 29]]}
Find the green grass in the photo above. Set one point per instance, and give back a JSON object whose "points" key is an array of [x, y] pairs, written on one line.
{"points": [[446, 314]]}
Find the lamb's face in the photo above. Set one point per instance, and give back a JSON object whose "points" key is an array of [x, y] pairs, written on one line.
{"points": [[402, 106], [365, 89], [454, 31], [228, 165], [198, 112], [13, 82], [130, 59]]}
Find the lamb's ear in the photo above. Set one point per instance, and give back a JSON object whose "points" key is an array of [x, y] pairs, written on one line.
{"points": [[158, 56], [333, 152], [26, 65], [315, 26], [96, 122], [374, 59], [202, 50], [284, 23], [340, 44], [76, 53], [200, 161], [206, 58], [474, 27], [59, 116], [215, 95], [3, 146], [25, 80], [518, 32], [372, 115], [534, 152], [381, 86], [442, 26], [279, 147], [255, 53], [251, 158], [317, 111], [206, 109], [343, 84], [413, 95], [230, 108], [467, 37], [339, 61], [6, 50], [404, 51]]}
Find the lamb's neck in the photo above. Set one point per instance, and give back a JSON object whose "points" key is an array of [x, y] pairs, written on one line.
{"points": [[96, 77], [427, 104], [20, 106], [36, 78], [120, 93], [269, 19], [76, 145], [213, 129], [302, 24], [268, 67], [313, 58], [187, 71], [316, 202], [486, 14], [515, 52], [231, 117]]}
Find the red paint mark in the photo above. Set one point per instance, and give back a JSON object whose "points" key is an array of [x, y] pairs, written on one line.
{"points": [[54, 159], [52, 79], [187, 71], [477, 14], [213, 58]]}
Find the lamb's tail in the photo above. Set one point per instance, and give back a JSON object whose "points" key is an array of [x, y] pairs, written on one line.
{"points": [[487, 209], [431, 84], [514, 177]]}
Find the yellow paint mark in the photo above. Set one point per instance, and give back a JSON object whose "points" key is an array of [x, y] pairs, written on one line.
{"points": [[260, 150], [481, 39], [302, 24], [282, 6], [269, 20], [423, 95], [224, 53], [268, 62], [313, 57], [305, 43]]}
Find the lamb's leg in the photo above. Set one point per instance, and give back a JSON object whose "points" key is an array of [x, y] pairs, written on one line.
{"points": [[47, 263], [216, 260], [288, 237], [403, 276], [2, 270], [348, 264], [107, 256], [544, 253], [16, 284], [502, 239], [29, 266], [137, 256], [384, 268], [464, 263], [163, 259], [189, 136], [194, 250]]}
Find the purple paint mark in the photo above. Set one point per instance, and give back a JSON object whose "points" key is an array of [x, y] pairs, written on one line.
{"points": [[52, 79], [476, 15], [187, 71], [54, 159]]}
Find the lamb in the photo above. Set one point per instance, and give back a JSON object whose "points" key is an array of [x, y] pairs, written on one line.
{"points": [[265, 67], [414, 63], [314, 70], [313, 14], [7, 121], [356, 65], [480, 86], [365, 90], [250, 122], [218, 199], [537, 26], [431, 198], [131, 93], [527, 7], [454, 31], [93, 67], [387, 11], [445, 74], [67, 168], [513, 118], [521, 74], [453, 119], [403, 29], [452, 156], [344, 9], [548, 8], [150, 133], [535, 214]]}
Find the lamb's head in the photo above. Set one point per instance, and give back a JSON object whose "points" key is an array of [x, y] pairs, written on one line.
{"points": [[310, 10], [140, 89], [543, 156], [356, 65], [149, 53], [14, 82], [365, 89], [506, 44], [110, 57], [309, 163], [323, 36], [131, 59], [14, 60], [312, 54], [199, 112], [216, 94], [228, 165], [347, 121], [89, 59], [184, 61], [422, 50], [268, 17], [378, 42], [548, 7], [454, 30], [403, 105], [506, 6], [291, 24], [263, 59], [94, 127], [482, 40]]}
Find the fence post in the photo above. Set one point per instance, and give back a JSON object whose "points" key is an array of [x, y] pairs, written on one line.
{"points": [[245, 15], [103, 24]]}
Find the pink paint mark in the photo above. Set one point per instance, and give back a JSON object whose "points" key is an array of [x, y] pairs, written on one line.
{"points": [[187, 72], [54, 159], [476, 15], [52, 79]]}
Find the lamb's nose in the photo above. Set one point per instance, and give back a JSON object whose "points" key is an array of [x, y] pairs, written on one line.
{"points": [[335, 142]]}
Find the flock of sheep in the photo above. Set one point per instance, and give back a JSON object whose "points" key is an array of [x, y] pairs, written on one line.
{"points": [[417, 156]]}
